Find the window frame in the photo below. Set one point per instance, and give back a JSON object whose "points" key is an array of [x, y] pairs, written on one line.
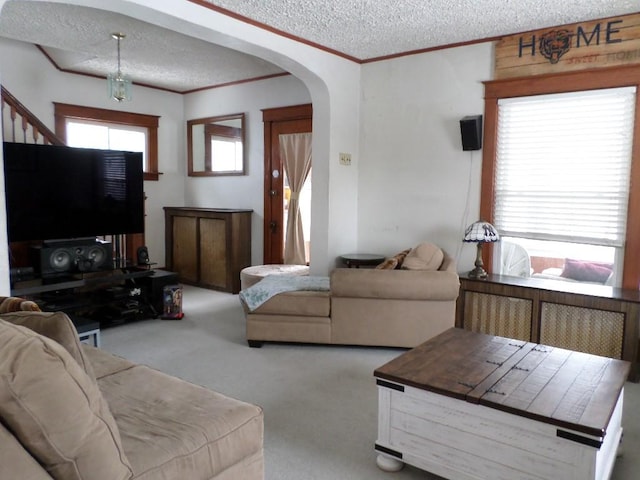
{"points": [[563, 83], [64, 112]]}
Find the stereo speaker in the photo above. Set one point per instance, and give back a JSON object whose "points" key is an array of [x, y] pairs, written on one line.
{"points": [[471, 132], [143, 255], [61, 258]]}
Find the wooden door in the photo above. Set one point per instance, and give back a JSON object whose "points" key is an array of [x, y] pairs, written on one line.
{"points": [[277, 121]]}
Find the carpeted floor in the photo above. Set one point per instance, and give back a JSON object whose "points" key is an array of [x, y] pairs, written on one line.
{"points": [[320, 402]]}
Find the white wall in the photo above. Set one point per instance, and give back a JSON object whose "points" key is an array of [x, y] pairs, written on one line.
{"points": [[334, 86], [409, 181], [415, 182], [31, 78], [241, 191]]}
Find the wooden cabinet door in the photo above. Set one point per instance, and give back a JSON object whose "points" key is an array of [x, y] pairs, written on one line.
{"points": [[185, 248], [213, 252]]}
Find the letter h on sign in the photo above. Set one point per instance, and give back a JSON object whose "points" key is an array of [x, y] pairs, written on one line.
{"points": [[525, 45]]}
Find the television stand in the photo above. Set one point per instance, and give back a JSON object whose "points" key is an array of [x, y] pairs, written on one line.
{"points": [[71, 242], [110, 297]]}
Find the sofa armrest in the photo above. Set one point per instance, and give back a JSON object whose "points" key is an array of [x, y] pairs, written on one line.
{"points": [[395, 284]]}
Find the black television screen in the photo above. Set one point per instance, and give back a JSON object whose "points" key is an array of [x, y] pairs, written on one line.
{"points": [[57, 192]]}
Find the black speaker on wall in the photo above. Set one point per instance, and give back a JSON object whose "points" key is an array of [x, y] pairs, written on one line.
{"points": [[471, 132], [71, 258]]}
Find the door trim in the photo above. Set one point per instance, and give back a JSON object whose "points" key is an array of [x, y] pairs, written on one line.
{"points": [[271, 116]]}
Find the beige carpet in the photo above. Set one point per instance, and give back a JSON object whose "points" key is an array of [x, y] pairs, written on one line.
{"points": [[320, 402]]}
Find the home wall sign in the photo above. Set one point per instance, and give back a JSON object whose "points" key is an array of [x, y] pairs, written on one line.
{"points": [[608, 42]]}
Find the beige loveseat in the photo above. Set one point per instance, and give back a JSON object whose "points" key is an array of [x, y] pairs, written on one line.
{"points": [[377, 307], [69, 411]]}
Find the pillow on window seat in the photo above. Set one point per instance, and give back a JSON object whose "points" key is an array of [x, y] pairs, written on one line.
{"points": [[586, 271]]}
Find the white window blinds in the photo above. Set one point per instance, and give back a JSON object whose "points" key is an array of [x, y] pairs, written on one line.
{"points": [[563, 163]]}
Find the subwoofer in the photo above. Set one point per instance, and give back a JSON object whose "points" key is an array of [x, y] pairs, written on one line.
{"points": [[61, 258]]}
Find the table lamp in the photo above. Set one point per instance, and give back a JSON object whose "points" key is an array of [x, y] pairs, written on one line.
{"points": [[480, 232]]}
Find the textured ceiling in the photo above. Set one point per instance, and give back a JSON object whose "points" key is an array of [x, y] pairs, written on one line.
{"points": [[79, 38], [367, 29]]}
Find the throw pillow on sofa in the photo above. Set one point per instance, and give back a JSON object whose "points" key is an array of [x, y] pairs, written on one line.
{"points": [[395, 261], [401, 257], [425, 256], [55, 410], [389, 264], [58, 327], [14, 304]]}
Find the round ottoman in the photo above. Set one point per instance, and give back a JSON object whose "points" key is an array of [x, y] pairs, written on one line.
{"points": [[252, 275]]}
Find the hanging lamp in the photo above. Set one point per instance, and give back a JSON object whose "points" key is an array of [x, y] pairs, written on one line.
{"points": [[119, 85]]}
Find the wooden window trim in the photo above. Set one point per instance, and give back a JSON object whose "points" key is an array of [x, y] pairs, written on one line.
{"points": [[561, 83], [64, 111]]}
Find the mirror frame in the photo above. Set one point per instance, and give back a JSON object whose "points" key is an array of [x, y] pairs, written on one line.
{"points": [[207, 121]]}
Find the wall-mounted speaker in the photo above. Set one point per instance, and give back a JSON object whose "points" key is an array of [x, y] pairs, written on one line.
{"points": [[471, 132], [61, 258], [142, 255]]}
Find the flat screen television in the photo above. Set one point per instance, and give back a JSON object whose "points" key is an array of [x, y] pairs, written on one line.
{"points": [[58, 192]]}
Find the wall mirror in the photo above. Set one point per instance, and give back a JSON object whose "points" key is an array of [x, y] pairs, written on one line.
{"points": [[216, 146]]}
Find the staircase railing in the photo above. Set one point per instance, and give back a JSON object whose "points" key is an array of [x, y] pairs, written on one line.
{"points": [[20, 125]]}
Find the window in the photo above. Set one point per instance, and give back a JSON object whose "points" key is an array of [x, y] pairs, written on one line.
{"points": [[613, 211], [562, 178], [109, 129], [223, 148]]}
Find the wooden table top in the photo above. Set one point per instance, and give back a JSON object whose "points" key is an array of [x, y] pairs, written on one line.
{"points": [[573, 390]]}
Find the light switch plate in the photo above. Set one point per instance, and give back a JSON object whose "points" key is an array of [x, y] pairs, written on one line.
{"points": [[345, 159]]}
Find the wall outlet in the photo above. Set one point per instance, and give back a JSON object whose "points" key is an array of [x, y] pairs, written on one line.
{"points": [[345, 159]]}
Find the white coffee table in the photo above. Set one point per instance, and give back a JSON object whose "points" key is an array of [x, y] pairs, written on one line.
{"points": [[466, 405]]}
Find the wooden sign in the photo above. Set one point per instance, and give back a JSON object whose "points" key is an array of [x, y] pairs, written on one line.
{"points": [[608, 42]]}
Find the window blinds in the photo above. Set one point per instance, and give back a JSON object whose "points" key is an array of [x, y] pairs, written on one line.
{"points": [[562, 167]]}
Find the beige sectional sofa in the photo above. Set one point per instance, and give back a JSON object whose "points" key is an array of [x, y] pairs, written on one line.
{"points": [[70, 411], [378, 307]]}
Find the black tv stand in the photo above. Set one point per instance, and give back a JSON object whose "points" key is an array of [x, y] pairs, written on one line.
{"points": [[110, 297], [71, 242]]}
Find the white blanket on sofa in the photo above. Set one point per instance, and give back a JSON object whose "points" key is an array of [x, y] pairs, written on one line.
{"points": [[271, 285]]}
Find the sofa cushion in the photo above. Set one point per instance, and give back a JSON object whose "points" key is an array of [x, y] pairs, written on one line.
{"points": [[55, 410], [105, 363], [173, 429], [307, 303], [425, 256], [58, 327], [16, 462]]}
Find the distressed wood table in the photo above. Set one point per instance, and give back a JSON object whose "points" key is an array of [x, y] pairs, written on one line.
{"points": [[466, 405]]}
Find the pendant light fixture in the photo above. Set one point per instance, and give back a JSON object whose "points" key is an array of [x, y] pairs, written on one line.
{"points": [[119, 85]]}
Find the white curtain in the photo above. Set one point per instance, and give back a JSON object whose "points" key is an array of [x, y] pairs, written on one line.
{"points": [[295, 151]]}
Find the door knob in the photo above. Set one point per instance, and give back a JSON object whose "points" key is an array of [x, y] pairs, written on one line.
{"points": [[273, 226]]}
